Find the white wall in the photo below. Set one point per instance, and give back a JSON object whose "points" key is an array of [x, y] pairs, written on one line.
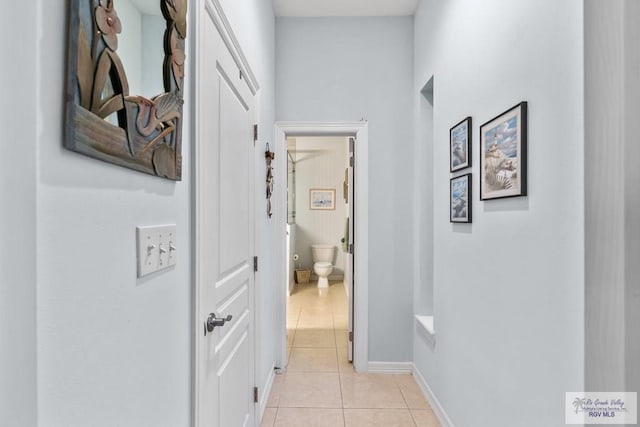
{"points": [[423, 202], [320, 163], [111, 349], [612, 82], [605, 201], [632, 196], [509, 288], [18, 368], [347, 69]]}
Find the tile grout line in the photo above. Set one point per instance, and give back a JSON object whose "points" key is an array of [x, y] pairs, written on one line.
{"points": [[332, 328], [405, 401]]}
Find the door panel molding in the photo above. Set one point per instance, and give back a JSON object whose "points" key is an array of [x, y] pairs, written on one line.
{"points": [[359, 130], [217, 15]]}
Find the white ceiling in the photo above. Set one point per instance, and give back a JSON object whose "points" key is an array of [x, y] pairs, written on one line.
{"points": [[344, 7]]}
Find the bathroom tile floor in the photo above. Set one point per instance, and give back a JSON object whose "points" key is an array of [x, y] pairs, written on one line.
{"points": [[320, 387]]}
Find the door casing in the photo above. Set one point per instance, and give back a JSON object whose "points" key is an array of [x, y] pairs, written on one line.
{"points": [[359, 130]]}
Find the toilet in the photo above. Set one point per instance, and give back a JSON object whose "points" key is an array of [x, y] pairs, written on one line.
{"points": [[322, 263]]}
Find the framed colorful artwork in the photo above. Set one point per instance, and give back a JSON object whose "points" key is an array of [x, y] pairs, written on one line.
{"points": [[503, 155], [460, 145], [460, 199]]}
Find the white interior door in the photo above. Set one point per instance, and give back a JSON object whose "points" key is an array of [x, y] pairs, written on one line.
{"points": [[350, 255], [225, 238]]}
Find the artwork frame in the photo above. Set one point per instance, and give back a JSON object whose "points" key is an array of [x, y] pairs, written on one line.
{"points": [[103, 120], [460, 145], [322, 199], [503, 154], [460, 199]]}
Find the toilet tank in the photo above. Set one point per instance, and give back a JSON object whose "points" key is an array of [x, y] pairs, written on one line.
{"points": [[323, 253]]}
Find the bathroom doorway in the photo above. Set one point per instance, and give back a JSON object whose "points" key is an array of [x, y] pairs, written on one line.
{"points": [[318, 252], [324, 230]]}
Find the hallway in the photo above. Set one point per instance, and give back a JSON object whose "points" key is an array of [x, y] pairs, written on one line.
{"points": [[320, 387]]}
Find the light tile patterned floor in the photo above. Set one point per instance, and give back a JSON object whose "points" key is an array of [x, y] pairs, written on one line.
{"points": [[320, 387]]}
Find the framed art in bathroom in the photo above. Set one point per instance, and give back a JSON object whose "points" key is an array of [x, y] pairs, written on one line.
{"points": [[460, 199], [503, 155], [460, 145], [323, 199]]}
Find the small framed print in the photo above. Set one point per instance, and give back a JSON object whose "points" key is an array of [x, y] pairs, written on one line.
{"points": [[322, 199], [460, 199], [503, 155], [460, 145]]}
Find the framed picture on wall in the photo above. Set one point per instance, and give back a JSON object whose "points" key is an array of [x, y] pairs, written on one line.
{"points": [[460, 145], [460, 199], [323, 199], [503, 155]]}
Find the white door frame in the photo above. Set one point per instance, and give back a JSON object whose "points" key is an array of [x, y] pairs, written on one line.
{"points": [[198, 11], [361, 242]]}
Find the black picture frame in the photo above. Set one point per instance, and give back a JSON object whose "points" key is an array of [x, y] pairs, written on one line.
{"points": [[503, 154], [460, 199], [460, 145]]}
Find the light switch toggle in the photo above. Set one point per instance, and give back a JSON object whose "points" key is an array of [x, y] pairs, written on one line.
{"points": [[156, 248]]}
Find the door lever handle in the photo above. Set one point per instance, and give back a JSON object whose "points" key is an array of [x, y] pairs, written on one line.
{"points": [[213, 321]]}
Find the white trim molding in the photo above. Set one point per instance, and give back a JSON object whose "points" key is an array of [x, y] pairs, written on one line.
{"points": [[214, 9], [390, 367], [265, 391], [435, 404], [361, 269]]}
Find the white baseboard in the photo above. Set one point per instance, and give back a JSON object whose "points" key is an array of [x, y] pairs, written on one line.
{"points": [[438, 410], [265, 392], [390, 367]]}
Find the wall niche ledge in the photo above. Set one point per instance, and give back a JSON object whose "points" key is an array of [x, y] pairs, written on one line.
{"points": [[425, 323]]}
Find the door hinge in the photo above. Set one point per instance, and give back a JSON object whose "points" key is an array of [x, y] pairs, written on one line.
{"points": [[350, 336], [255, 264], [255, 133], [351, 248], [351, 161], [255, 394]]}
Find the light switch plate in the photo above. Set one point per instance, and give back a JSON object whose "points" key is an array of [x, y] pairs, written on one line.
{"points": [[156, 248]]}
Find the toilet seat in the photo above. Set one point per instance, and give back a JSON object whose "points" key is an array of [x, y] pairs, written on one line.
{"points": [[322, 264]]}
